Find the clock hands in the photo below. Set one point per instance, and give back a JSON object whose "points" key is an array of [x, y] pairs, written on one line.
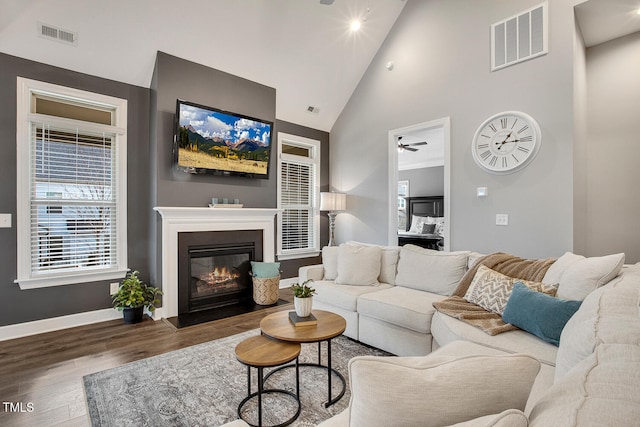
{"points": [[500, 144]]}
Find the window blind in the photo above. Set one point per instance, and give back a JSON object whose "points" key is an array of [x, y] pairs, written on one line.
{"points": [[72, 199], [296, 198]]}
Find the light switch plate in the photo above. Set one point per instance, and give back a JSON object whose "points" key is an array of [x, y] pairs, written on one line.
{"points": [[5, 220], [502, 219]]}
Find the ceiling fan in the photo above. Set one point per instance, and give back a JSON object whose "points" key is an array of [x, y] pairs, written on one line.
{"points": [[409, 147]]}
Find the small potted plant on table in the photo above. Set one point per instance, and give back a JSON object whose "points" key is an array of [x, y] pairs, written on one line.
{"points": [[303, 298], [133, 296]]}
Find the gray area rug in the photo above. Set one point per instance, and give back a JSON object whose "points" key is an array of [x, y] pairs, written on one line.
{"points": [[202, 385]]}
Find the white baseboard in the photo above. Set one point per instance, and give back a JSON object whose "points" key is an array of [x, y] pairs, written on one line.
{"points": [[285, 283], [26, 329]]}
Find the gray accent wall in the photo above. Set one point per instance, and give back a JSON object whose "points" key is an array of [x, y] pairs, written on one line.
{"points": [[151, 179], [18, 306], [175, 78], [612, 201], [441, 69]]}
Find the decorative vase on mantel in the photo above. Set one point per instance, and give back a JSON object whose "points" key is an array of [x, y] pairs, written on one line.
{"points": [[303, 298], [303, 306]]}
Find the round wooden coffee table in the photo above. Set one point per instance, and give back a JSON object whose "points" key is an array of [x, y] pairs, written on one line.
{"points": [[263, 352], [330, 325]]}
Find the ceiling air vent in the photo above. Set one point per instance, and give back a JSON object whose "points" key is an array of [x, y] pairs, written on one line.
{"points": [[519, 38], [58, 34]]}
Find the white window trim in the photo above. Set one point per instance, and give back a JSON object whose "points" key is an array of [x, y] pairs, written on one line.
{"points": [[314, 146], [26, 88]]}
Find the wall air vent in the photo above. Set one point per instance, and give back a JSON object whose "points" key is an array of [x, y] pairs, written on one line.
{"points": [[51, 32], [520, 37]]}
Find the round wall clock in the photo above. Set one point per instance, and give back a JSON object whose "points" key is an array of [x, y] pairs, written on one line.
{"points": [[506, 142]]}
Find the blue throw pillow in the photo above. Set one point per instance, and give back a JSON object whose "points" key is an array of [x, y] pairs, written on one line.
{"points": [[265, 270], [542, 315]]}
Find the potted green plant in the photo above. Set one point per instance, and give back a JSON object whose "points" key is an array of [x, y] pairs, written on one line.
{"points": [[133, 296], [303, 298]]}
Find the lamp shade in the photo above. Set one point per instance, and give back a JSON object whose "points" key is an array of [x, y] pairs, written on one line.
{"points": [[333, 202]]}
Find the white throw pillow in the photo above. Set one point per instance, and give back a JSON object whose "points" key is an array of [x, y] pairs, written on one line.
{"points": [[557, 269], [330, 262], [432, 271], [442, 390], [578, 276], [358, 265], [388, 262], [416, 223]]}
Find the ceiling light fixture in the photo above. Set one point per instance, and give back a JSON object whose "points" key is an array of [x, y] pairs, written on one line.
{"points": [[355, 25]]}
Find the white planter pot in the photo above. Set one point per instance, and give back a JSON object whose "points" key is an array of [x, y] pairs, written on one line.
{"points": [[303, 306]]}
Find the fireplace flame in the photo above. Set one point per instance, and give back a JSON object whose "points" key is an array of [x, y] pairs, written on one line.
{"points": [[220, 275]]}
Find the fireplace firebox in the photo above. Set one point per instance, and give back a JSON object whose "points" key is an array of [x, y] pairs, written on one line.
{"points": [[213, 268]]}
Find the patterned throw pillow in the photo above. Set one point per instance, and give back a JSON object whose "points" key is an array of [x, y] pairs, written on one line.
{"points": [[416, 223], [491, 290]]}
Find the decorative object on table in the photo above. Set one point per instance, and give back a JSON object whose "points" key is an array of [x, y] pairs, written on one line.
{"points": [[303, 298], [506, 142], [133, 296], [310, 320], [266, 282], [225, 205], [333, 203]]}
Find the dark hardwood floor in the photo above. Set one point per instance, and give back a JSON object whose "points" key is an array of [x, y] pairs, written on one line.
{"points": [[44, 372]]}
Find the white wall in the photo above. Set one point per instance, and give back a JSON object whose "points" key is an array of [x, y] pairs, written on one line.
{"points": [[441, 55], [580, 146], [424, 181], [613, 148]]}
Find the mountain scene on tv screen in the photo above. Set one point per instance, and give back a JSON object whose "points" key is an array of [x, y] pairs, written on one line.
{"points": [[218, 141]]}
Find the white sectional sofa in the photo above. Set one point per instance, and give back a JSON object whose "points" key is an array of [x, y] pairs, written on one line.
{"points": [[452, 372], [390, 305]]}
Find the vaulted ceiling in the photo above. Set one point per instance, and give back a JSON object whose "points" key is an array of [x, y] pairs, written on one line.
{"points": [[304, 49]]}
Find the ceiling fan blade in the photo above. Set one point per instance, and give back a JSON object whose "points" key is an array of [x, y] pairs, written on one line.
{"points": [[419, 143], [410, 149]]}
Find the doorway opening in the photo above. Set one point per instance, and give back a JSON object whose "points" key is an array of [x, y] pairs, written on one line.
{"points": [[406, 142]]}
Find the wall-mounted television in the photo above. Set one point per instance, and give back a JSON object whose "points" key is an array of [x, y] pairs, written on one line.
{"points": [[209, 140]]}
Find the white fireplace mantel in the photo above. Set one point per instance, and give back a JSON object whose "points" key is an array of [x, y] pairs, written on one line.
{"points": [[184, 219]]}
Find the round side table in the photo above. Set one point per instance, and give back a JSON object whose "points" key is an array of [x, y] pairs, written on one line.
{"points": [[330, 325], [262, 352]]}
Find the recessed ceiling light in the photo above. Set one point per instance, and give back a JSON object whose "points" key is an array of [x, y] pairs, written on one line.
{"points": [[638, 12], [355, 25]]}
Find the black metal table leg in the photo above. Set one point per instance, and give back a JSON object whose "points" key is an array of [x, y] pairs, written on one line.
{"points": [[262, 390], [330, 400]]}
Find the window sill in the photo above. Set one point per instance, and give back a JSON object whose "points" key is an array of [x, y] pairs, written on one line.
{"points": [[297, 255], [68, 279]]}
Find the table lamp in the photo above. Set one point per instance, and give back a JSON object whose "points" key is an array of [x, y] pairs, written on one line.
{"points": [[333, 203]]}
